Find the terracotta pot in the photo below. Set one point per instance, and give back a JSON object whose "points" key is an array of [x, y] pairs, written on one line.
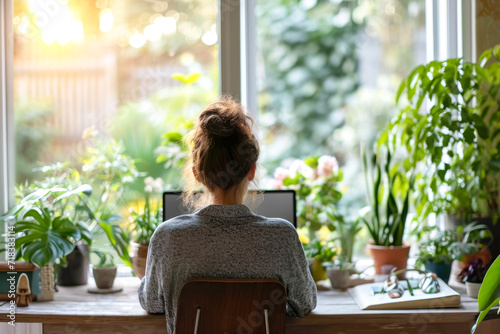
{"points": [[139, 257], [104, 276], [387, 257], [484, 254], [339, 278]]}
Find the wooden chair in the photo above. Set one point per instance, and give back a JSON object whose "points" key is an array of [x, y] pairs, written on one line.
{"points": [[223, 306]]}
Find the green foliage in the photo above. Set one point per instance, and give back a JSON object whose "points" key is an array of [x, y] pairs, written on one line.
{"points": [[310, 59], [144, 224], [345, 234], [45, 219], [32, 139], [108, 170], [322, 251], [436, 246], [105, 259], [315, 181], [455, 140], [388, 191], [470, 239], [489, 294]]}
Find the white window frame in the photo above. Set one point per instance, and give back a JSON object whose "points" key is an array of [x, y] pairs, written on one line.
{"points": [[7, 150]]}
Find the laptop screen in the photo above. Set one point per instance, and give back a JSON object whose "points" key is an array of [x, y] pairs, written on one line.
{"points": [[275, 204]]}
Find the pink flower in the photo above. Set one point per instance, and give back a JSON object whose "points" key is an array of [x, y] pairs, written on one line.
{"points": [[327, 166], [299, 166], [281, 173], [276, 184]]}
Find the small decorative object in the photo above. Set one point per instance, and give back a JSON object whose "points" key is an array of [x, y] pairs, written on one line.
{"points": [[473, 276], [394, 288], [429, 283], [143, 224], [47, 283], [23, 291], [6, 282], [105, 271]]}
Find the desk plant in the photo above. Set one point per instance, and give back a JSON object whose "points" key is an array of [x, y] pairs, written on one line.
{"points": [[473, 276], [47, 227], [489, 294], [388, 192], [315, 181], [435, 251], [143, 224], [104, 271], [319, 252], [456, 136]]}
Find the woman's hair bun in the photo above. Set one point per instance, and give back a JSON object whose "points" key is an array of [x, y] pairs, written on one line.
{"points": [[217, 126]]}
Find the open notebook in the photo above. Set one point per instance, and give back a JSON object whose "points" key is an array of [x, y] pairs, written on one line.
{"points": [[368, 300]]}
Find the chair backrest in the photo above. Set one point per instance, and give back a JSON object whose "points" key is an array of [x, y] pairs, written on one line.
{"points": [[220, 306]]}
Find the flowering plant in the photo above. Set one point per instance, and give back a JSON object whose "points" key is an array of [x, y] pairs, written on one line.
{"points": [[315, 181], [143, 224]]}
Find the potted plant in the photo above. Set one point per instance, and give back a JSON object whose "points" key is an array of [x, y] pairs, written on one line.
{"points": [[471, 244], [339, 272], [455, 136], [45, 235], [319, 252], [388, 191], [473, 277], [104, 271], [143, 224], [435, 252], [489, 294], [315, 181]]}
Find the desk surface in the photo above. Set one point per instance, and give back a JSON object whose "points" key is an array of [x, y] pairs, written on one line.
{"points": [[335, 310]]}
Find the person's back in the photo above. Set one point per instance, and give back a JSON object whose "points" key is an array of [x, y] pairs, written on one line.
{"points": [[225, 239]]}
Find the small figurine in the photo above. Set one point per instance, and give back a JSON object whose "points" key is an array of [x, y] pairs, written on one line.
{"points": [[23, 291]]}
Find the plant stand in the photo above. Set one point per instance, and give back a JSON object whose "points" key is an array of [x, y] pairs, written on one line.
{"points": [[47, 283]]}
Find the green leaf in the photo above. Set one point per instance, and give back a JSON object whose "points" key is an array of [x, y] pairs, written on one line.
{"points": [[469, 135], [401, 88]]}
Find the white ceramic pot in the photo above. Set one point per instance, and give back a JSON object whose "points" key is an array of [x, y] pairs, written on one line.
{"points": [[339, 278], [472, 289]]}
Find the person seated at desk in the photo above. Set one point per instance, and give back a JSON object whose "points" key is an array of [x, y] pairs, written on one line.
{"points": [[224, 239]]}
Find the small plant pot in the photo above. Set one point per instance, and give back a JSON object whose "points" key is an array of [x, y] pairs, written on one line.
{"points": [[389, 257], [339, 278], [318, 272], [472, 289], [104, 276], [442, 269]]}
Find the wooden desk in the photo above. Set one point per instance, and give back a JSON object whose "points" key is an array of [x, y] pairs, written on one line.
{"points": [[76, 311]]}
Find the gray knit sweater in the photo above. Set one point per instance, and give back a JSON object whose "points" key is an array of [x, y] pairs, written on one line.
{"points": [[224, 241]]}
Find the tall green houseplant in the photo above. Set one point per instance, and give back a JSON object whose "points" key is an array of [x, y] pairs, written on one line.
{"points": [[450, 126]]}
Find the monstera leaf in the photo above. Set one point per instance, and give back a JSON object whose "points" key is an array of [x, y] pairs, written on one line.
{"points": [[46, 238]]}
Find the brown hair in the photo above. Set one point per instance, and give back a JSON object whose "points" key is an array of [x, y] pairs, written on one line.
{"points": [[222, 146]]}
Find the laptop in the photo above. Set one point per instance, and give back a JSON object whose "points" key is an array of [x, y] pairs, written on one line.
{"points": [[275, 204]]}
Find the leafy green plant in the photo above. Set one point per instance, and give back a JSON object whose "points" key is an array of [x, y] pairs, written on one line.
{"points": [[47, 230], [436, 246], [315, 181], [108, 170], [470, 239], [105, 259], [144, 224], [489, 294], [388, 191], [322, 251], [345, 234], [456, 135]]}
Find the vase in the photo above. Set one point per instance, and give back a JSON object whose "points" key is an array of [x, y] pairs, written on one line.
{"points": [[442, 269], [76, 271], [318, 271], [339, 278], [387, 257], [139, 257], [46, 283], [104, 276], [472, 289]]}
